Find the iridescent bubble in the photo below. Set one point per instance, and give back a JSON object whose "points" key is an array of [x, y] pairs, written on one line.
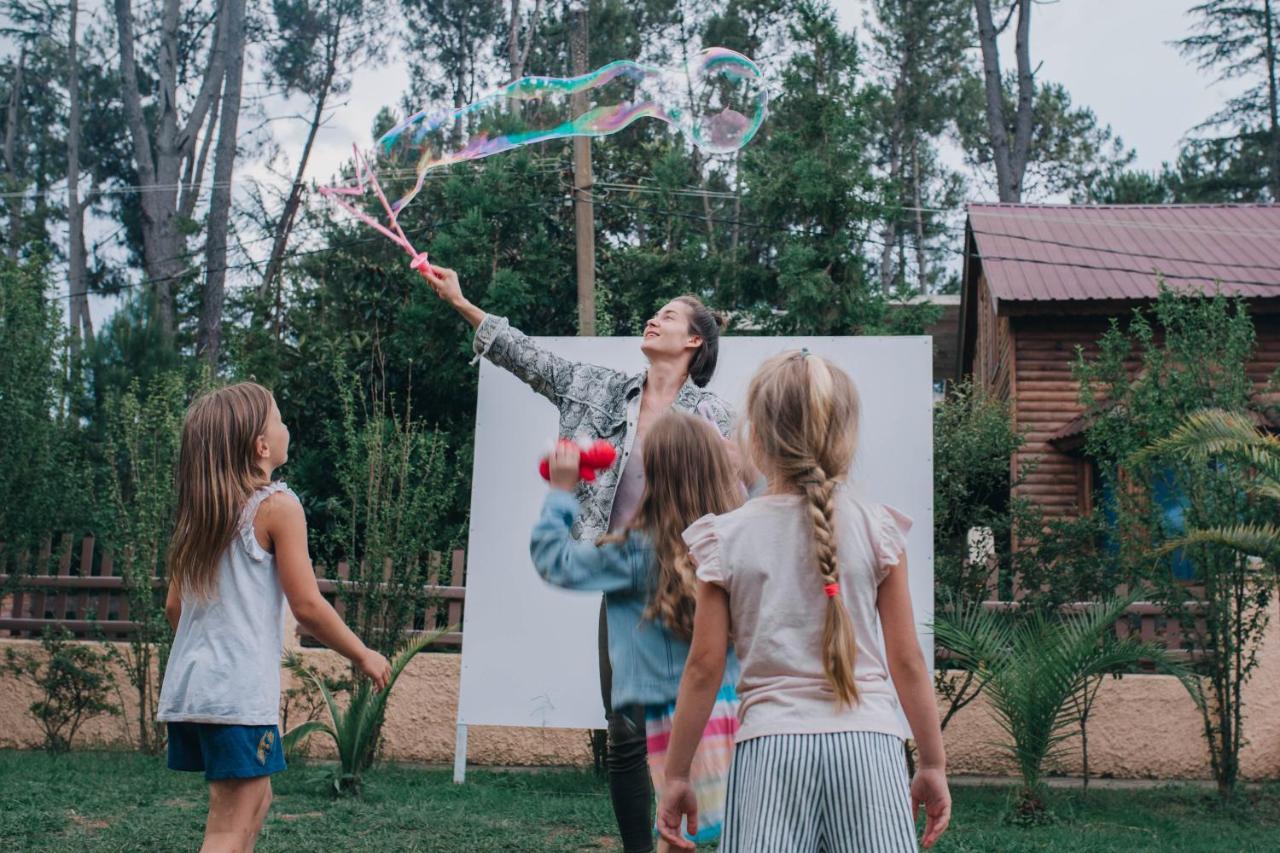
{"points": [[718, 102]]}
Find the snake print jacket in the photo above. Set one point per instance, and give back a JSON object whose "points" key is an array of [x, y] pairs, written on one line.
{"points": [[594, 401]]}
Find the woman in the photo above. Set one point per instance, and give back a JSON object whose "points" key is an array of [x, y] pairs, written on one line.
{"points": [[681, 342]]}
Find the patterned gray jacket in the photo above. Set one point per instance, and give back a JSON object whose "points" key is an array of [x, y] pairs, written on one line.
{"points": [[594, 401]]}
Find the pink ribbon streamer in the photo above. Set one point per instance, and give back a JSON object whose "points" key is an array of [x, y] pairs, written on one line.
{"points": [[366, 178]]}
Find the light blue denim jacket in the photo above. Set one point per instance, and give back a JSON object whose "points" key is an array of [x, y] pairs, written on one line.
{"points": [[594, 401], [648, 660]]}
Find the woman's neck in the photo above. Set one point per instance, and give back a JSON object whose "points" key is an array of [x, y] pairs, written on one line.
{"points": [[664, 380]]}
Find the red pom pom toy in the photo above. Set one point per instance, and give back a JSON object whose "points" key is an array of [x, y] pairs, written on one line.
{"points": [[597, 457]]}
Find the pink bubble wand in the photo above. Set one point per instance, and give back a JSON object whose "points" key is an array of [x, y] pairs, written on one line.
{"points": [[367, 178]]}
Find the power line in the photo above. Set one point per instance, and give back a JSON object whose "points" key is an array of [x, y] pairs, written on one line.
{"points": [[1123, 252], [1080, 216], [291, 255], [1082, 265], [542, 166], [609, 202], [976, 255]]}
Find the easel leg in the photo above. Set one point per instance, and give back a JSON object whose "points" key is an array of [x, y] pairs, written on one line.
{"points": [[460, 755]]}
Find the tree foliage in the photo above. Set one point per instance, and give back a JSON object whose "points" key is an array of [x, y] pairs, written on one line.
{"points": [[1183, 354]]}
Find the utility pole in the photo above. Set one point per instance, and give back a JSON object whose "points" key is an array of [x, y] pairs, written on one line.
{"points": [[584, 225]]}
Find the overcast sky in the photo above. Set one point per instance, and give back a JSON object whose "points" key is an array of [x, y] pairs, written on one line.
{"points": [[1115, 56]]}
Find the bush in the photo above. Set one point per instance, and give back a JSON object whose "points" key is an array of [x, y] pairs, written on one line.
{"points": [[74, 680], [42, 484], [974, 441], [355, 729], [1037, 669], [144, 432], [396, 484], [1191, 353]]}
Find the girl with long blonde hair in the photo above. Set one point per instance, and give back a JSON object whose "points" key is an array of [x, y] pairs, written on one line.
{"points": [[238, 552], [647, 577], [804, 573]]}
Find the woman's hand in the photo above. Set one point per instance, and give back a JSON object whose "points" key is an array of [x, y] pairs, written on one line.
{"points": [[444, 282], [929, 789], [677, 801], [564, 463]]}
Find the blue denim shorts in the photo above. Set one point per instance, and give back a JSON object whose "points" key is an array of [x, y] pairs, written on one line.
{"points": [[225, 752]]}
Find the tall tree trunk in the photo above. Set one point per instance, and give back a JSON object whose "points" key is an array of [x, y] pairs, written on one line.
{"points": [[889, 234], [584, 226], [209, 334], [193, 172], [897, 136], [517, 55], [1272, 99], [13, 115], [1026, 100], [694, 154], [917, 202], [78, 307], [284, 225], [159, 151], [1010, 159]]}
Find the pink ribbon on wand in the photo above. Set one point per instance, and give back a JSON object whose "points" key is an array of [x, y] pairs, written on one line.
{"points": [[365, 178]]}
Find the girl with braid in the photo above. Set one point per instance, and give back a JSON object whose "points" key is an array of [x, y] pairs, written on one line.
{"points": [[803, 574]]}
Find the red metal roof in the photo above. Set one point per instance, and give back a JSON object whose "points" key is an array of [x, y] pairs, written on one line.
{"points": [[1033, 252]]}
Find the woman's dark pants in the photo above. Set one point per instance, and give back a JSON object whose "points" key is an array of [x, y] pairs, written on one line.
{"points": [[627, 761]]}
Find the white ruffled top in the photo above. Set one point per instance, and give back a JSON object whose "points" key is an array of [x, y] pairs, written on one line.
{"points": [[224, 666], [763, 556]]}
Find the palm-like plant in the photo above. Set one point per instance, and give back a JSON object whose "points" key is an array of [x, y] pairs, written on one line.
{"points": [[355, 728], [1214, 434], [1032, 667]]}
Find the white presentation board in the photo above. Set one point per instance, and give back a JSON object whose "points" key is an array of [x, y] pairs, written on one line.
{"points": [[529, 649]]}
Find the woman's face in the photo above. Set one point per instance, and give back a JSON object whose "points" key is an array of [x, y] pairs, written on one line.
{"points": [[669, 332]]}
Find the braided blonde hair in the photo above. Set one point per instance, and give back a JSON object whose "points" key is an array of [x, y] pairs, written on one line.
{"points": [[802, 413]]}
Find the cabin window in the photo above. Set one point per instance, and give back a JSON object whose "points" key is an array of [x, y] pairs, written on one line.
{"points": [[1169, 499], [1172, 503]]}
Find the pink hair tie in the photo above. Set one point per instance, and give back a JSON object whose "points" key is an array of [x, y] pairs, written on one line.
{"points": [[832, 590]]}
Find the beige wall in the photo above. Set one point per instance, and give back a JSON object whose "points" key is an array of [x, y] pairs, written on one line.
{"points": [[1143, 726]]}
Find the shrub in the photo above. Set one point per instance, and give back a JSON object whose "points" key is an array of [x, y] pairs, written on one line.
{"points": [[74, 680]]}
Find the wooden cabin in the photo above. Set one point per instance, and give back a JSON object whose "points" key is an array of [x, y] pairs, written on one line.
{"points": [[1040, 280]]}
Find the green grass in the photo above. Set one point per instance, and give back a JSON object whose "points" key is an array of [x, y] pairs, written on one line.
{"points": [[117, 801]]}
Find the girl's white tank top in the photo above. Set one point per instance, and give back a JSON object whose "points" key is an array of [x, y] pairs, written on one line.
{"points": [[224, 666]]}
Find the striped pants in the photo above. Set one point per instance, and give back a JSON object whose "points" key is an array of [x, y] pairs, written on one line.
{"points": [[845, 792]]}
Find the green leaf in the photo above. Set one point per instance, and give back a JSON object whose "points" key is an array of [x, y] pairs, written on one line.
{"points": [[299, 733]]}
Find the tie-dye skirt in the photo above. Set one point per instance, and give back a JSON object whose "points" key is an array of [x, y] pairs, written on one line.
{"points": [[709, 772]]}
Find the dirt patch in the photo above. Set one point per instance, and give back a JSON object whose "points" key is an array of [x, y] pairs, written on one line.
{"points": [[301, 816], [87, 822], [179, 803], [563, 833]]}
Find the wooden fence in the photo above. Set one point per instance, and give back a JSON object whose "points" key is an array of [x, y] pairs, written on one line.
{"points": [[80, 589], [1143, 620]]}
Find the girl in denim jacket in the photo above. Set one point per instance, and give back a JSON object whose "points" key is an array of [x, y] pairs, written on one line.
{"points": [[648, 581]]}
